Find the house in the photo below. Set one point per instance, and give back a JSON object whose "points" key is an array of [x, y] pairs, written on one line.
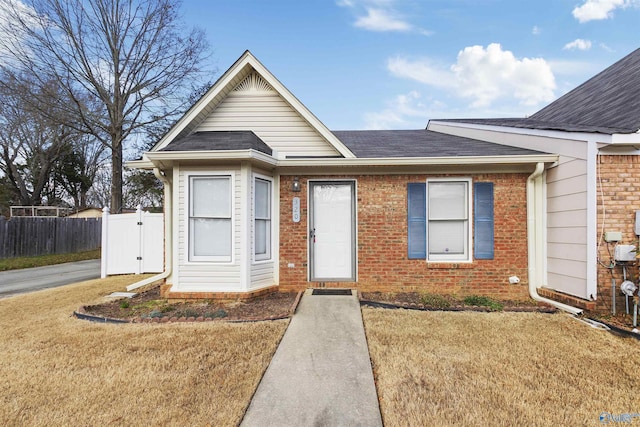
{"points": [[88, 212], [260, 195]]}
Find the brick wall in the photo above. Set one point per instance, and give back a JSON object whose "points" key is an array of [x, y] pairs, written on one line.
{"points": [[382, 241], [618, 199]]}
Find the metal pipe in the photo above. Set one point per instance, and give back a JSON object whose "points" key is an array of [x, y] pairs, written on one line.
{"points": [[613, 296]]}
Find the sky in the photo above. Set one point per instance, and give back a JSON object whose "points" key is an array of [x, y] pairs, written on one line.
{"points": [[395, 64]]}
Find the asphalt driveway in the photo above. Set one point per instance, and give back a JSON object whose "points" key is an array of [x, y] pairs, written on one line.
{"points": [[33, 279]]}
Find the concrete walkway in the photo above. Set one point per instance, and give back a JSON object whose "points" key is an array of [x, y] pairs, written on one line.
{"points": [[320, 374]]}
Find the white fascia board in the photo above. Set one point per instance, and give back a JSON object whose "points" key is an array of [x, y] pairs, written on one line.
{"points": [[164, 156], [578, 136], [139, 164], [418, 161], [625, 139]]}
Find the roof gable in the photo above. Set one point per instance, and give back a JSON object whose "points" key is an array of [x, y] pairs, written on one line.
{"points": [[611, 99], [245, 78]]}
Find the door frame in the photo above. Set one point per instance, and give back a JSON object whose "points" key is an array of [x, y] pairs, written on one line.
{"points": [[352, 183]]}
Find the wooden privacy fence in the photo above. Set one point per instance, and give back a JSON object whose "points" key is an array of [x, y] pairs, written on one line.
{"points": [[132, 243], [33, 236]]}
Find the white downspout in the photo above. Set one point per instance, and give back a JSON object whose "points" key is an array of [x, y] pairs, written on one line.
{"points": [[535, 239], [168, 227]]}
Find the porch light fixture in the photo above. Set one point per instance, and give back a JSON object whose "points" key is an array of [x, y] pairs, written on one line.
{"points": [[295, 185]]}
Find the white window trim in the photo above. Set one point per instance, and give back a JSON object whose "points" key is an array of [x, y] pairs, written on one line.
{"points": [[263, 258], [469, 240], [193, 259]]}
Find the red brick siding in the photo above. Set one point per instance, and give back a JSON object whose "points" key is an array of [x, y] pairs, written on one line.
{"points": [[618, 199], [382, 241]]}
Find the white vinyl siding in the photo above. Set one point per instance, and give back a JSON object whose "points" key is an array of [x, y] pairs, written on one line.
{"points": [[448, 220], [567, 226], [271, 118], [262, 274]]}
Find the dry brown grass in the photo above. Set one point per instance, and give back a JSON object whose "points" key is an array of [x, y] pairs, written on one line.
{"points": [[443, 368], [58, 370]]}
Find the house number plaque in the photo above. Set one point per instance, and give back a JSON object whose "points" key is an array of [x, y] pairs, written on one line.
{"points": [[296, 209]]}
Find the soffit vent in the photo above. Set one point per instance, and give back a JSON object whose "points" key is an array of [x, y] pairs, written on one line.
{"points": [[253, 83]]}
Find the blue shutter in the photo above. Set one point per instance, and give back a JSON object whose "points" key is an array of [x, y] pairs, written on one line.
{"points": [[417, 220], [483, 222]]}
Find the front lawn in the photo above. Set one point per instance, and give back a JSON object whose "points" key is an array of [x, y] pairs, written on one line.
{"points": [[42, 260], [59, 370], [469, 368]]}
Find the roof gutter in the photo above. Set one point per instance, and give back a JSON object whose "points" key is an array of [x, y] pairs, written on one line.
{"points": [[154, 159], [536, 238], [418, 161], [168, 234]]}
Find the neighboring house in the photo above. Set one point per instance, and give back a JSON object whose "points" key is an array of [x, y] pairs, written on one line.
{"points": [[593, 189], [89, 212], [260, 195]]}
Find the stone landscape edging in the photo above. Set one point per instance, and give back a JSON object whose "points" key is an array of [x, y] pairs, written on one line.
{"points": [[414, 306]]}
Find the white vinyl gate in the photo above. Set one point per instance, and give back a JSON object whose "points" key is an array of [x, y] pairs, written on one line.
{"points": [[132, 243]]}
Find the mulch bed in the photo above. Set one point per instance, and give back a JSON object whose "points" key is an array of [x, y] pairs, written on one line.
{"points": [[418, 301], [148, 306]]}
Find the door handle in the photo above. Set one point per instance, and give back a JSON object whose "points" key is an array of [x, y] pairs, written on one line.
{"points": [[312, 234]]}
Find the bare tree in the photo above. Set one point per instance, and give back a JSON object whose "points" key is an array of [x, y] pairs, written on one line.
{"points": [[135, 57], [76, 169], [30, 143]]}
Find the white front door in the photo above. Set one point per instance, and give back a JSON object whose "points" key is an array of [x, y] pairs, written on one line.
{"points": [[332, 231]]}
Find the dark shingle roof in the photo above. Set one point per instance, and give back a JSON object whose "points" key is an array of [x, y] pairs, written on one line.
{"points": [[611, 99], [421, 143], [219, 140]]}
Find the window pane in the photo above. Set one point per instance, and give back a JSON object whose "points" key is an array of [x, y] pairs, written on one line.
{"points": [[447, 237], [447, 200], [262, 199], [211, 237], [262, 236], [211, 196]]}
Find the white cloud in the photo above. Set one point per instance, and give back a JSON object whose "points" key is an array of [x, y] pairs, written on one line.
{"points": [[381, 20], [605, 47], [579, 44], [12, 35], [536, 30], [484, 76], [592, 10], [423, 71], [379, 15], [401, 112]]}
